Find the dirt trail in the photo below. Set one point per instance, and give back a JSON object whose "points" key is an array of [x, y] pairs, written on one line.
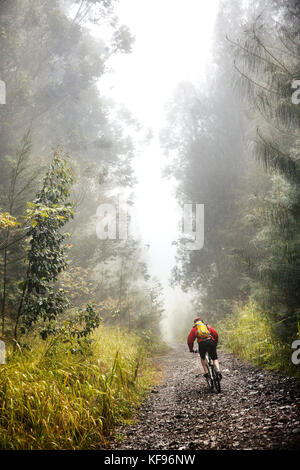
{"points": [[257, 409]]}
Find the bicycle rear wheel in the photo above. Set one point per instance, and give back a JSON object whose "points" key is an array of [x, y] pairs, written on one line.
{"points": [[210, 379], [216, 380]]}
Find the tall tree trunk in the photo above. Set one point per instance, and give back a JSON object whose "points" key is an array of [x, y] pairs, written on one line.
{"points": [[4, 288], [19, 312], [21, 154]]}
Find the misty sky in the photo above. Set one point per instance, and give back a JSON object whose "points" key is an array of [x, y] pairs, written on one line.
{"points": [[173, 44]]}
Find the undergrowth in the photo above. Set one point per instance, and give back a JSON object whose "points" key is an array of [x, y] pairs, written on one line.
{"points": [[54, 398], [249, 334]]}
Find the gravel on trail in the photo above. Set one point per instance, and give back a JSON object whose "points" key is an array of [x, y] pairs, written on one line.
{"points": [[256, 409]]}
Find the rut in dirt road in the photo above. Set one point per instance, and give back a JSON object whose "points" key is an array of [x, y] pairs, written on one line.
{"points": [[257, 409]]}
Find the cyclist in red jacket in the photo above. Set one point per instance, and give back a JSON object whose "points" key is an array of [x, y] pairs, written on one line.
{"points": [[205, 345]]}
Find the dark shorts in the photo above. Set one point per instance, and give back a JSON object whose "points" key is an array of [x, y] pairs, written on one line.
{"points": [[208, 345]]}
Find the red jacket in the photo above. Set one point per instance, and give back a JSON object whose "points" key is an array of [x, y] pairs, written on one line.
{"points": [[193, 335]]}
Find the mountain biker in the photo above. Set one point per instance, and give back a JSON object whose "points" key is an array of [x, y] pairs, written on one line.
{"points": [[205, 345]]}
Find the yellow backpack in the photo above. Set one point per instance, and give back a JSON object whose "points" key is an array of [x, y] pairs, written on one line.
{"points": [[202, 330]]}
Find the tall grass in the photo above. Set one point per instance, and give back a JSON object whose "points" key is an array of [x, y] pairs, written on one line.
{"points": [[53, 399], [249, 334]]}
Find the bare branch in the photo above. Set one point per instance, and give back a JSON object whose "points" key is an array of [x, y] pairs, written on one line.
{"points": [[283, 67], [254, 82]]}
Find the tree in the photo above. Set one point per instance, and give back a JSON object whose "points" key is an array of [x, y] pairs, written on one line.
{"points": [[46, 255], [14, 201], [51, 65], [204, 142], [267, 58]]}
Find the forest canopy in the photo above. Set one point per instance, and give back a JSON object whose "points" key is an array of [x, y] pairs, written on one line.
{"points": [[65, 149]]}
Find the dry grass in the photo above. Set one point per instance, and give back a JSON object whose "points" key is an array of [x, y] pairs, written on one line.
{"points": [[50, 399], [248, 334]]}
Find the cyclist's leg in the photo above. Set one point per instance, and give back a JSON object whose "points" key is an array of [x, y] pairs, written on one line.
{"points": [[203, 362], [213, 354], [202, 352]]}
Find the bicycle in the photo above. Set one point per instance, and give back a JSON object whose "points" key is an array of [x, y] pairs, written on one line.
{"points": [[213, 378]]}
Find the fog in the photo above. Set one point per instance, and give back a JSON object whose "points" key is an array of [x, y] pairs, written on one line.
{"points": [[145, 82], [149, 175], [165, 104]]}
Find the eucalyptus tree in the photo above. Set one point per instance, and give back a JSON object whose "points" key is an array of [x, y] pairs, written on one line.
{"points": [[51, 66], [267, 59]]}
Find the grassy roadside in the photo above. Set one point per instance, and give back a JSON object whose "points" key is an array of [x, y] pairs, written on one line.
{"points": [[248, 334], [53, 399]]}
